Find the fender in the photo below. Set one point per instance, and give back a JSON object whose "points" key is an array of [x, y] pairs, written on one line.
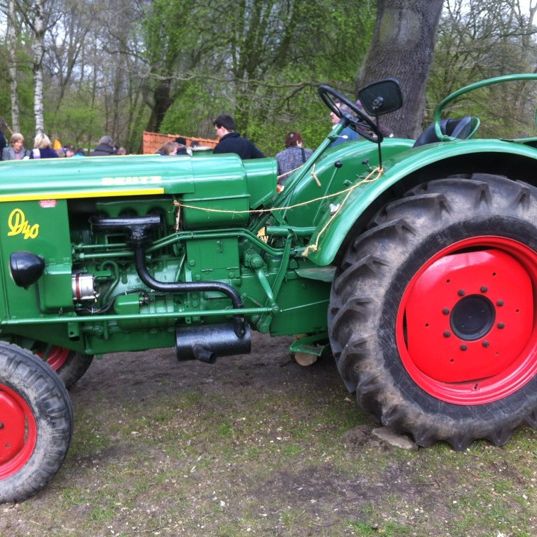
{"points": [[333, 229]]}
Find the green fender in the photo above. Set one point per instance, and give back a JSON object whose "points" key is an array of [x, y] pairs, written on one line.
{"points": [[334, 228]]}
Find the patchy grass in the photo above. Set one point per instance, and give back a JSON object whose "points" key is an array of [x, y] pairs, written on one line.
{"points": [[258, 446]]}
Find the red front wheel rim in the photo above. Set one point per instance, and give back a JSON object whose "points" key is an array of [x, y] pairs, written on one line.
{"points": [[56, 357], [18, 432], [466, 327]]}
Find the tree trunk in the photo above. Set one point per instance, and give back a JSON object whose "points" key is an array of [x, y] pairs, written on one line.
{"points": [[402, 48], [162, 100], [12, 48], [38, 50]]}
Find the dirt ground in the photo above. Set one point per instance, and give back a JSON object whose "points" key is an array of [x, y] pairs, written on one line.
{"points": [[256, 445]]}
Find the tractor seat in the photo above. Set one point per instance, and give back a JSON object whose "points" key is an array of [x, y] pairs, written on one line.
{"points": [[462, 128]]}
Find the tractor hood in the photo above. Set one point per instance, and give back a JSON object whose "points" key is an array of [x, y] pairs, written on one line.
{"points": [[210, 176]]}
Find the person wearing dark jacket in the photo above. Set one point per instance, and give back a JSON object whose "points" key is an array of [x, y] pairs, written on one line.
{"points": [[231, 141], [42, 147], [105, 147], [3, 144]]}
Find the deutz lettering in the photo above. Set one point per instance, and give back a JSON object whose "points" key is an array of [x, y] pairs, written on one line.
{"points": [[144, 180]]}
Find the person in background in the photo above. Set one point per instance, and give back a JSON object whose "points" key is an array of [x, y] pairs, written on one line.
{"points": [[168, 149], [16, 149], [182, 149], [292, 157], [231, 141], [347, 134], [42, 147], [105, 147], [3, 145], [121, 151], [69, 151]]}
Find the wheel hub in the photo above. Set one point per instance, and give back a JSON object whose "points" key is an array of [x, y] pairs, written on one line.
{"points": [[472, 317], [17, 432]]}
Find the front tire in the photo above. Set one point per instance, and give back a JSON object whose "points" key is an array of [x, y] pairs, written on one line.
{"points": [[69, 365], [433, 313], [36, 419]]}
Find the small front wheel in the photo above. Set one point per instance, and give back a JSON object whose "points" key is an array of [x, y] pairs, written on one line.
{"points": [[35, 423], [69, 365]]}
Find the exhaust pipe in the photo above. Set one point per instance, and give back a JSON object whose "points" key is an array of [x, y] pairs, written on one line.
{"points": [[208, 342]]}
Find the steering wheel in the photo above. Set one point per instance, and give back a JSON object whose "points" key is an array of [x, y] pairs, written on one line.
{"points": [[359, 121]]}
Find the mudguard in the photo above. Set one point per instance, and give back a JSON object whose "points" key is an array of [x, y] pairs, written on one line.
{"points": [[333, 229]]}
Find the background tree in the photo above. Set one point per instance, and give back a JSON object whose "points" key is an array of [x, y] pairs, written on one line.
{"points": [[12, 42], [402, 47], [121, 66], [37, 15], [480, 39]]}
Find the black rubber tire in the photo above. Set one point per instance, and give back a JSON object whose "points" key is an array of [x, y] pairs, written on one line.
{"points": [[46, 396], [369, 286], [74, 367]]}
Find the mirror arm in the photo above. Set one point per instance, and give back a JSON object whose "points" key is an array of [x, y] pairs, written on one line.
{"points": [[379, 141]]}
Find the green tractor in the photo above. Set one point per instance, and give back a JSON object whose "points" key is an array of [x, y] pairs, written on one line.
{"points": [[414, 262]]}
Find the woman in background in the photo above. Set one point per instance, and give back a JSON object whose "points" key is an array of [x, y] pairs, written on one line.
{"points": [[16, 149], [292, 157], [42, 147]]}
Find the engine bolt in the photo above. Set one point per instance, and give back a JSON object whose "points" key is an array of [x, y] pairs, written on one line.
{"points": [[447, 333], [445, 311], [461, 292], [501, 325], [499, 303], [483, 289], [485, 343], [464, 347]]}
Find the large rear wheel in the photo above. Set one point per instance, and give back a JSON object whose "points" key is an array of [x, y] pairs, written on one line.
{"points": [[433, 315], [35, 423]]}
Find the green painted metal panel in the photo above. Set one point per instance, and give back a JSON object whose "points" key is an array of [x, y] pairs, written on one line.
{"points": [[95, 177], [261, 180], [338, 169], [42, 228], [396, 169], [213, 259], [221, 196]]}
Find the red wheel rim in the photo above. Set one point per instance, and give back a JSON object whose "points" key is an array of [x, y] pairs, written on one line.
{"points": [[466, 328], [18, 432], [56, 357]]}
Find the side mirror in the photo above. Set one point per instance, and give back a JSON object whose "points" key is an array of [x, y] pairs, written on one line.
{"points": [[381, 97]]}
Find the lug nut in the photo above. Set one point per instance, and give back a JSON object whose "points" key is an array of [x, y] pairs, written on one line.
{"points": [[501, 325], [1, 425], [485, 343], [499, 303], [483, 289], [445, 311], [447, 333], [461, 292], [464, 347]]}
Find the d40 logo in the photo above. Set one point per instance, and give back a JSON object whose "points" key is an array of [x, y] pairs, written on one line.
{"points": [[18, 225]]}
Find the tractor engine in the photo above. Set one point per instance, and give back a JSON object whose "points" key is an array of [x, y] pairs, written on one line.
{"points": [[140, 269]]}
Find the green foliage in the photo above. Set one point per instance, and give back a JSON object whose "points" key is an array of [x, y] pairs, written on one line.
{"points": [[25, 93], [486, 39], [266, 59], [75, 122]]}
